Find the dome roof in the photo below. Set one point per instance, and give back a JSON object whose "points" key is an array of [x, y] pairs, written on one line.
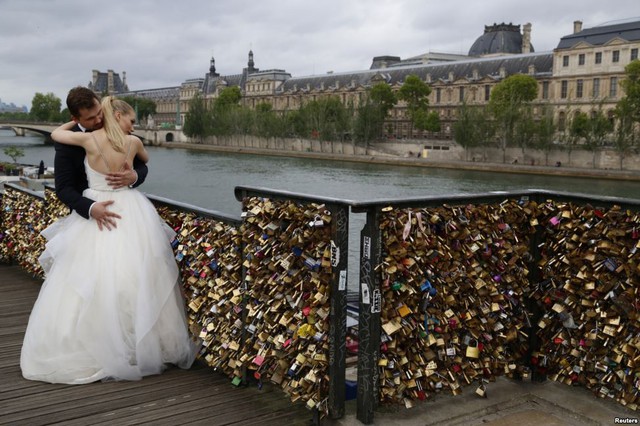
{"points": [[498, 39]]}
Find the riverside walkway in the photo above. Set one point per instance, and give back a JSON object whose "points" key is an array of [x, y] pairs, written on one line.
{"points": [[176, 397]]}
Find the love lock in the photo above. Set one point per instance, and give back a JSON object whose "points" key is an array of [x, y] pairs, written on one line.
{"points": [[481, 391], [472, 350], [316, 222]]}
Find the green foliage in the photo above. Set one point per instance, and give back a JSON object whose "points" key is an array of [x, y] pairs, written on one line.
{"points": [[369, 117], [197, 119], [368, 123], [545, 130], [45, 107], [515, 90], [325, 119], [415, 92], [144, 107], [383, 98], [470, 130], [525, 129], [631, 86], [508, 104], [14, 153], [267, 123], [229, 96], [20, 116]]}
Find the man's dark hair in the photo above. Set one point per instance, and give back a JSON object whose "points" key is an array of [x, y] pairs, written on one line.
{"points": [[80, 98]]}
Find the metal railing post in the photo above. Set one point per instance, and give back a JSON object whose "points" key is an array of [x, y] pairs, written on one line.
{"points": [[370, 300]]}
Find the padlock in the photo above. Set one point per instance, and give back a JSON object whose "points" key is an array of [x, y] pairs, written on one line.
{"points": [[451, 350], [481, 391], [472, 349], [316, 222]]}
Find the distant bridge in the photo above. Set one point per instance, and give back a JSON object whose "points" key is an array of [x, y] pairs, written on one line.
{"points": [[148, 136]]}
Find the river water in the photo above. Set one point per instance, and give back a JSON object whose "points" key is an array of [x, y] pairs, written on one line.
{"points": [[207, 179]]}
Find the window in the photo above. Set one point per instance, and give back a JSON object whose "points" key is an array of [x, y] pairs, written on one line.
{"points": [[615, 56], [613, 87], [634, 54], [438, 95], [563, 89], [579, 88], [545, 90], [598, 57], [565, 61], [596, 87], [461, 98], [487, 92], [581, 59]]}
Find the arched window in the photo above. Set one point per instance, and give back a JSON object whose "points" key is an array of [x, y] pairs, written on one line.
{"points": [[562, 120]]}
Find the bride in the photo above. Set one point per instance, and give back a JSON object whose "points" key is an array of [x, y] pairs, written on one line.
{"points": [[110, 307]]}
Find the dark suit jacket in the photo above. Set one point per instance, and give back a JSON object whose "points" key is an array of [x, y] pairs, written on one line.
{"points": [[71, 178]]}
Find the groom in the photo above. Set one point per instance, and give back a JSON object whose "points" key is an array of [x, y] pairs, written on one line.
{"points": [[70, 176]]}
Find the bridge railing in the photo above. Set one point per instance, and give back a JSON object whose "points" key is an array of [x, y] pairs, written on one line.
{"points": [[456, 291], [453, 291], [265, 292]]}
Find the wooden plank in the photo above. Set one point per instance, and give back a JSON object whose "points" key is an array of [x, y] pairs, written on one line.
{"points": [[196, 396]]}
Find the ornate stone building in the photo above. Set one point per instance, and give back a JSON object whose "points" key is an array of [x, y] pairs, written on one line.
{"points": [[582, 73]]}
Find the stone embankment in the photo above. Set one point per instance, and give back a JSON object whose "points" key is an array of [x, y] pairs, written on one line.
{"points": [[377, 157]]}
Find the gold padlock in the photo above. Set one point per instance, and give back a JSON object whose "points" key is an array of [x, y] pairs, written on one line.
{"points": [[473, 351]]}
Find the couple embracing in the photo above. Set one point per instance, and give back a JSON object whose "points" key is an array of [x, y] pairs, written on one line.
{"points": [[110, 307]]}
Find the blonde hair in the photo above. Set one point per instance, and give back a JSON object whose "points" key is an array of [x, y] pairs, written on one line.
{"points": [[115, 135]]}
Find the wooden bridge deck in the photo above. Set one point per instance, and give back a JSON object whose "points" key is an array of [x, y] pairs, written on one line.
{"points": [[176, 397]]}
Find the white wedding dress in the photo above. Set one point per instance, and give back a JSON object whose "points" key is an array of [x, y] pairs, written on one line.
{"points": [[110, 307]]}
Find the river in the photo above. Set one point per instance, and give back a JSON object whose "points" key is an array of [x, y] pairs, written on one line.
{"points": [[207, 179]]}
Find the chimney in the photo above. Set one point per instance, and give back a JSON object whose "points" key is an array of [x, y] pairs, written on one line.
{"points": [[526, 38], [577, 27], [124, 79]]}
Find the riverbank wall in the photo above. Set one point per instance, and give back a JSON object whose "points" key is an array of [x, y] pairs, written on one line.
{"points": [[436, 154]]}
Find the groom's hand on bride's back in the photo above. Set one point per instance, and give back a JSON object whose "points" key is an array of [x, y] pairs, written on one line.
{"points": [[104, 217], [126, 177]]}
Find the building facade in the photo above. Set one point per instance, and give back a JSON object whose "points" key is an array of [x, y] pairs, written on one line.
{"points": [[582, 73]]}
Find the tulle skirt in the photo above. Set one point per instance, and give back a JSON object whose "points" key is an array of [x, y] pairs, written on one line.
{"points": [[110, 306]]}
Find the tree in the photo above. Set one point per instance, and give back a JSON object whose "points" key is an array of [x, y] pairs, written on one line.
{"points": [[267, 123], [415, 93], [196, 123], [372, 112], [144, 107], [472, 128], [631, 86], [45, 107], [525, 129], [368, 123], [627, 112], [626, 133], [506, 104], [545, 131], [383, 98], [229, 96], [14, 153]]}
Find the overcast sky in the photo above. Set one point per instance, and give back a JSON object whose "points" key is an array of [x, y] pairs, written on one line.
{"points": [[53, 45]]}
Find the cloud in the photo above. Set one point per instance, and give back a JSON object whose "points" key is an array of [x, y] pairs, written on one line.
{"points": [[51, 46]]}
